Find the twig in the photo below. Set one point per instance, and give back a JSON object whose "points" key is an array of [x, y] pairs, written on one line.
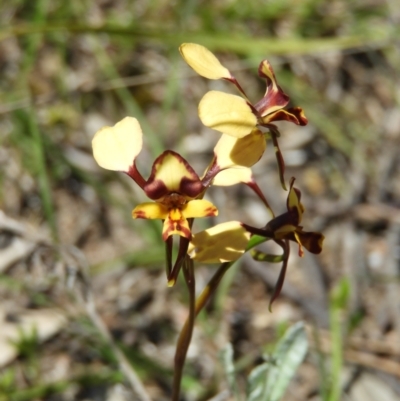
{"points": [[23, 230], [87, 298], [125, 366], [359, 343], [361, 358], [372, 361]]}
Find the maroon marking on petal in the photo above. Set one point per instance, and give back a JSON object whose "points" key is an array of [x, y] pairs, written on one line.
{"points": [[174, 201], [155, 189], [211, 211], [312, 241], [274, 95], [140, 214], [265, 76], [271, 99], [191, 188], [176, 226], [299, 113], [166, 234], [285, 219], [186, 232], [294, 115]]}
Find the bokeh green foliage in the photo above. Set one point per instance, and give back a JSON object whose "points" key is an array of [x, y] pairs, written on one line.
{"points": [[42, 114]]}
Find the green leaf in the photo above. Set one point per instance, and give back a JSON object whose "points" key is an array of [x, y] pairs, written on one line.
{"points": [[226, 357], [340, 294], [257, 382], [266, 257], [256, 240], [269, 381]]}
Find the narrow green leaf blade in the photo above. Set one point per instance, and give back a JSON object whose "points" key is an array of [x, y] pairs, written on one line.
{"points": [[269, 381], [289, 354], [257, 382], [226, 357]]}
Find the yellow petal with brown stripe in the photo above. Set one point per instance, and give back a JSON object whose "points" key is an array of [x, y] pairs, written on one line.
{"points": [[199, 208], [150, 210], [176, 224]]}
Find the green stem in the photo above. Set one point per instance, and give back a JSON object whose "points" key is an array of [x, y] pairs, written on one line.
{"points": [[338, 302], [211, 287], [187, 330], [337, 358], [41, 173], [215, 42], [195, 307]]}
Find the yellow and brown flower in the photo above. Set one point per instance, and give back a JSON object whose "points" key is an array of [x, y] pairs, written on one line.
{"points": [[287, 225], [234, 115], [173, 185]]}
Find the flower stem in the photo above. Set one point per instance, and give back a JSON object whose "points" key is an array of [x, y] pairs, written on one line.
{"points": [[194, 309], [187, 330]]}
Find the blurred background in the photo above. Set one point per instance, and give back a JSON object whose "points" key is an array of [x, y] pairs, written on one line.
{"points": [[68, 68]]}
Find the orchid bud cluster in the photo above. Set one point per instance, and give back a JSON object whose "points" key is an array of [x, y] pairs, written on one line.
{"points": [[176, 191]]}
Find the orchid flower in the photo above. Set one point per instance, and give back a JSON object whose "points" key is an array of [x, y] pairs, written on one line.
{"points": [[237, 115], [286, 227], [174, 187]]}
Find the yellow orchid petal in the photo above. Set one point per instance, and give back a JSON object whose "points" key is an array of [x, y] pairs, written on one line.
{"points": [[199, 208], [115, 148], [295, 115], [203, 61], [176, 223], [283, 231], [226, 113], [293, 201], [265, 70], [301, 251], [246, 151], [150, 210], [233, 176], [224, 242]]}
